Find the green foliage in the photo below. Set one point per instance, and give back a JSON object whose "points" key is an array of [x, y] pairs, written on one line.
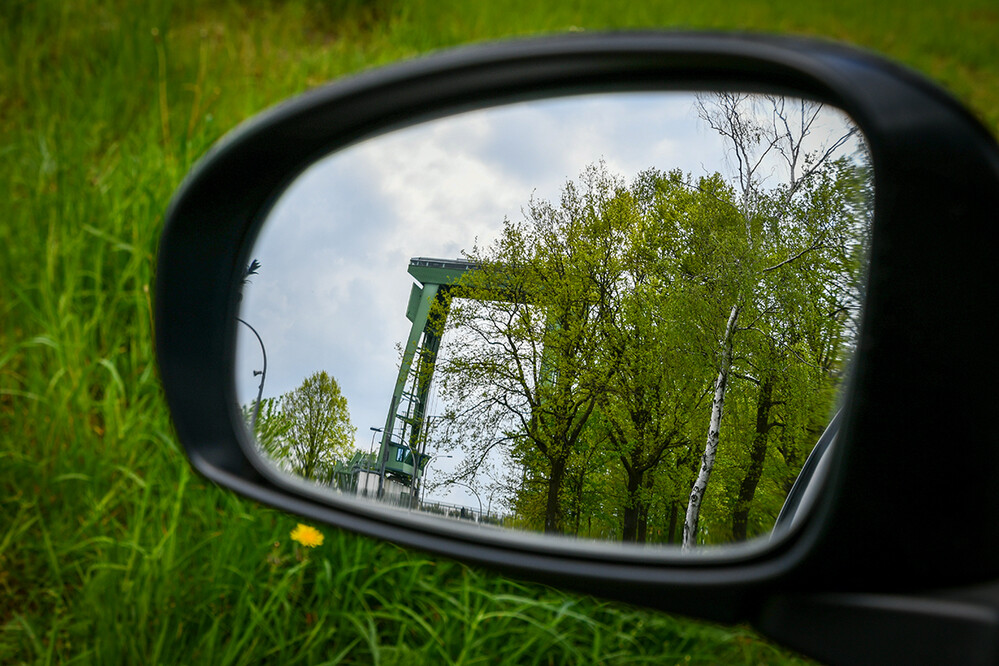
{"points": [[532, 317], [318, 432], [591, 335], [110, 550], [270, 427]]}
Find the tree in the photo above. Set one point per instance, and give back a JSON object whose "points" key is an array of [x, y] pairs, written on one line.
{"points": [[319, 430], [784, 229], [529, 365], [655, 384], [270, 430], [600, 333], [568, 347]]}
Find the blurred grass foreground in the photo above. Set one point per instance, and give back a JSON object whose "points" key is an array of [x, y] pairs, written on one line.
{"points": [[111, 550]]}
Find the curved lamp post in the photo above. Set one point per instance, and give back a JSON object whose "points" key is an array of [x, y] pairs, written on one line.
{"points": [[465, 485], [263, 376], [371, 450], [423, 484]]}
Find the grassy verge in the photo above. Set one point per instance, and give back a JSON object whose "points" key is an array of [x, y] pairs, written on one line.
{"points": [[111, 551]]}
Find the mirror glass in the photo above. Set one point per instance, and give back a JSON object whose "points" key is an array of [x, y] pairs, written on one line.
{"points": [[623, 317]]}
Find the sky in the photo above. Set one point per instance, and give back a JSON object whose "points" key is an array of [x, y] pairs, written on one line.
{"points": [[333, 286]]}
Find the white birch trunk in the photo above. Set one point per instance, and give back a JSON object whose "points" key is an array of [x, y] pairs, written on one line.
{"points": [[714, 429]]}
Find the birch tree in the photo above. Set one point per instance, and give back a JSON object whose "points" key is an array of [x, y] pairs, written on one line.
{"points": [[766, 137]]}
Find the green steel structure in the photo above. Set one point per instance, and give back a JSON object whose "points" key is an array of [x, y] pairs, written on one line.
{"points": [[401, 444]]}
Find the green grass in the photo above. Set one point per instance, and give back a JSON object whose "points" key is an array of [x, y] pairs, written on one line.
{"points": [[111, 550]]}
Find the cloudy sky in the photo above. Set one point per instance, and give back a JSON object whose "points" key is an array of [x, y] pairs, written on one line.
{"points": [[333, 285]]}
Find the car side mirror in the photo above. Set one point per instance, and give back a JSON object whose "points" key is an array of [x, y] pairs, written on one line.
{"points": [[763, 233]]}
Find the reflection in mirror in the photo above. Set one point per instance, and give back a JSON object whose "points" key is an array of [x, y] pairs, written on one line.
{"points": [[622, 317]]}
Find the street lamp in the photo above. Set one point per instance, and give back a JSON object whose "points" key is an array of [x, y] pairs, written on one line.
{"points": [[423, 483], [371, 450], [421, 445], [465, 485], [263, 376], [368, 461]]}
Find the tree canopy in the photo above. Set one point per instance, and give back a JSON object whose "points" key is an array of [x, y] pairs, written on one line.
{"points": [[307, 431], [653, 360]]}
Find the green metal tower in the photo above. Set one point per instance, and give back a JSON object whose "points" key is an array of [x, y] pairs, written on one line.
{"points": [[401, 444]]}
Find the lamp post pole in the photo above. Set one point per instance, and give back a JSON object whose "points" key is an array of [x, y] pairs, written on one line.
{"points": [[423, 485], [371, 453], [263, 377], [421, 446], [479, 499]]}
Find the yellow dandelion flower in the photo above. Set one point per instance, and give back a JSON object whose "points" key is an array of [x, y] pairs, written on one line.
{"points": [[306, 535]]}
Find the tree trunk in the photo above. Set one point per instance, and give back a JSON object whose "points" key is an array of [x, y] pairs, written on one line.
{"points": [[714, 429], [757, 456], [671, 530], [578, 510], [554, 487], [632, 507], [643, 513]]}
